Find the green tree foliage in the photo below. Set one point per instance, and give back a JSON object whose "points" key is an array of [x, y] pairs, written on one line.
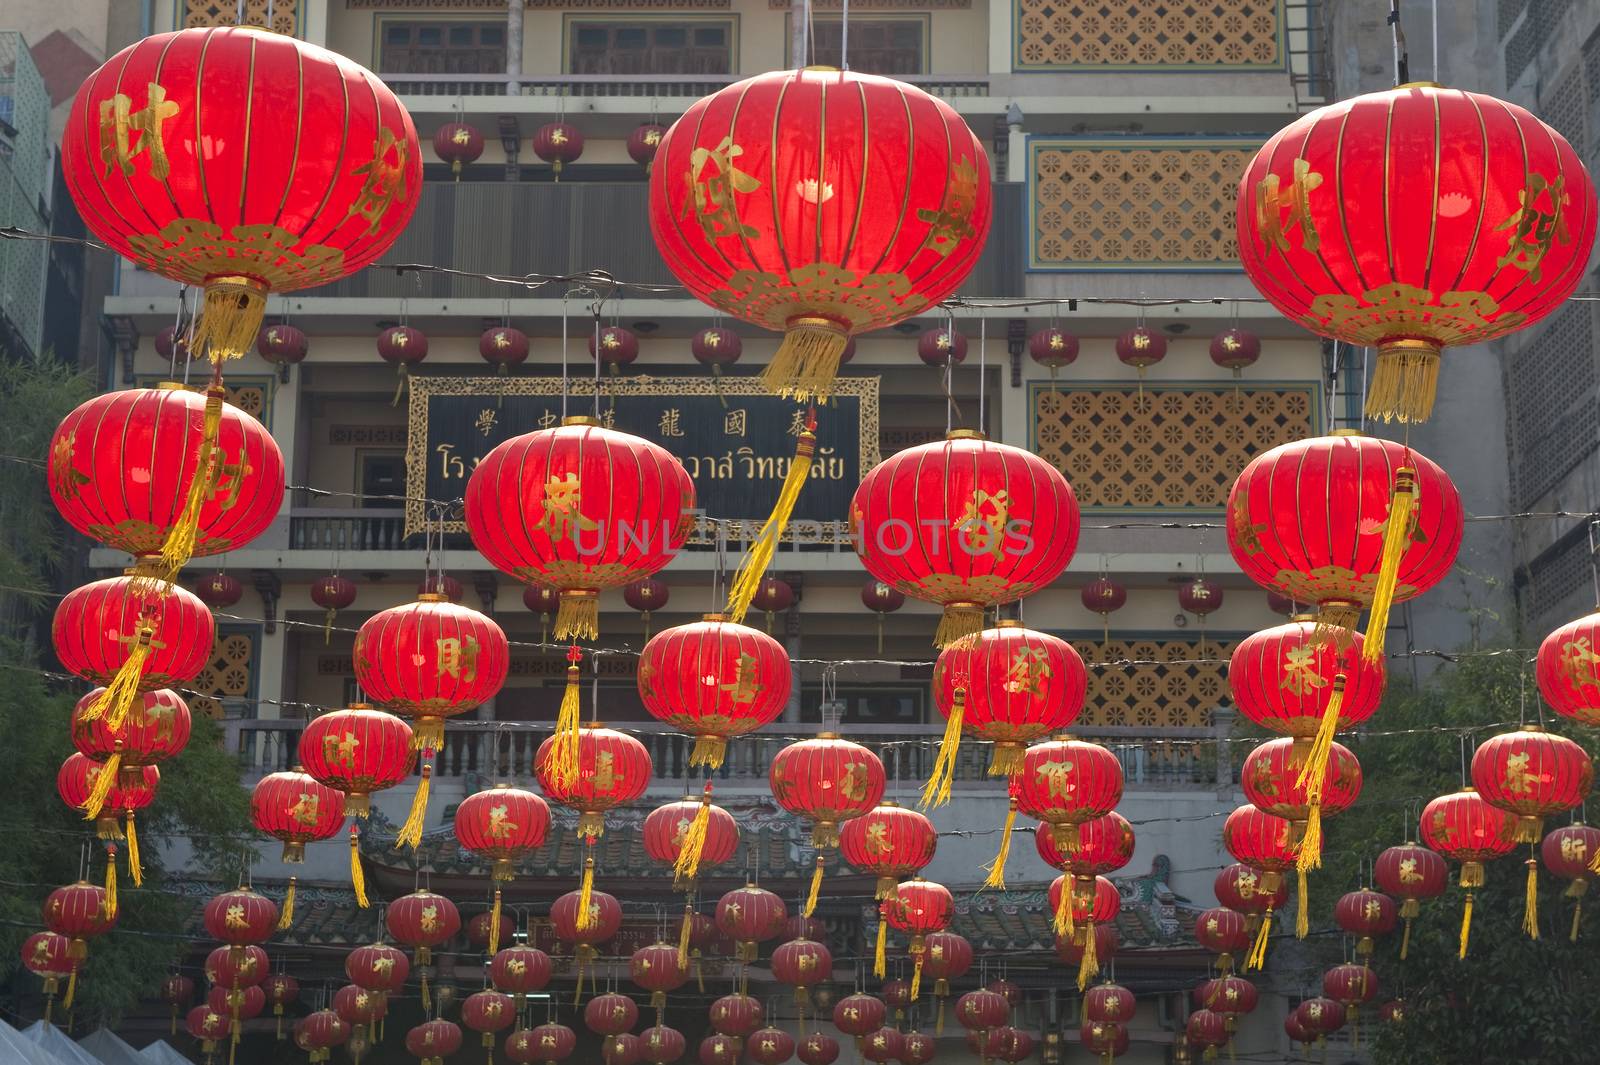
{"points": [[201, 812]]}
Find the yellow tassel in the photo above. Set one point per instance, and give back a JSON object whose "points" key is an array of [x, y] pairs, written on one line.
{"points": [[1530, 901], [938, 1023], [683, 935], [1257, 958], [135, 867], [411, 832], [958, 620], [564, 761], [1466, 925], [117, 699], [1577, 917], [693, 846], [807, 361], [1405, 940], [1594, 863], [72, 989], [997, 868], [327, 626], [1090, 965], [1310, 853], [1314, 770], [286, 915], [708, 751], [111, 883], [494, 929], [231, 309], [1007, 760], [816, 889], [1302, 917], [916, 977], [578, 616], [1063, 921], [358, 879], [427, 999], [937, 791], [880, 962], [178, 547], [399, 384], [104, 781], [753, 567], [1396, 539], [1405, 379], [586, 895]]}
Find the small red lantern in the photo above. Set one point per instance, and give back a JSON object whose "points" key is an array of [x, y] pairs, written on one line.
{"points": [[613, 769], [690, 833], [422, 921], [557, 143], [610, 1013], [966, 523], [1279, 603], [917, 1048], [615, 346], [458, 144], [827, 779], [1141, 347], [1053, 349], [1366, 915], [332, 593], [1082, 904], [1105, 845], [321, 1030], [80, 912], [897, 995], [881, 599], [219, 591], [284, 346], [488, 1012], [802, 964], [1235, 349], [818, 1048], [645, 596], [155, 729], [643, 142], [859, 1015], [1299, 1032], [720, 1050], [1241, 888], [377, 967], [579, 508], [941, 345], [737, 1014], [890, 842], [1207, 1029], [502, 824], [1108, 1003], [716, 347], [1229, 996], [750, 916], [1263, 842], [661, 1045], [658, 969], [882, 1046], [1104, 596], [544, 602], [45, 954], [1531, 774], [620, 1049], [442, 585], [583, 926], [240, 918], [244, 966], [1105, 1039], [177, 990], [982, 1010], [281, 990], [772, 595], [798, 927], [405, 347], [1463, 827], [1568, 670], [769, 1046], [1066, 783], [714, 680], [293, 808], [433, 1041], [207, 1025], [948, 957], [357, 751], [1411, 874], [1352, 986], [519, 970], [1273, 780], [241, 1004], [172, 345], [1567, 852], [1225, 933], [733, 233], [1393, 1011], [1200, 597], [503, 346]]}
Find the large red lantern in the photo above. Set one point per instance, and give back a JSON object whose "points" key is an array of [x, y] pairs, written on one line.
{"points": [[1225, 933], [1081, 904], [378, 967], [1366, 915], [714, 680], [357, 751], [1410, 873], [240, 918], [859, 1015], [613, 769], [295, 809], [1285, 679], [889, 841], [802, 964], [1105, 845], [244, 966], [720, 1050], [519, 970], [433, 1041], [1265, 842], [502, 824], [207, 1025], [737, 1014], [1272, 780], [882, 1046], [80, 912], [750, 916], [948, 956], [966, 523], [1482, 226], [1207, 1029], [610, 1013], [918, 1048], [658, 969], [80, 782], [1108, 1003], [579, 508], [1531, 774], [1464, 828], [155, 729], [660, 1045], [1568, 670], [1567, 852], [690, 833], [1066, 783], [819, 204]]}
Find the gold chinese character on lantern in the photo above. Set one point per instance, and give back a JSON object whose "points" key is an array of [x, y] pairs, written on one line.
{"points": [[1408, 871], [1534, 230], [853, 781], [66, 478], [119, 123], [877, 837], [1518, 777], [1574, 849], [606, 776], [1057, 779], [234, 917], [983, 521], [430, 918], [713, 180], [1030, 668], [1272, 201], [562, 515], [304, 811], [382, 179], [745, 684], [500, 826], [1300, 676], [457, 657], [952, 222]]}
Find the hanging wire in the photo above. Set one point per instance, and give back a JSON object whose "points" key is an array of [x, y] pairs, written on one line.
{"points": [[844, 35], [1402, 61], [983, 369]]}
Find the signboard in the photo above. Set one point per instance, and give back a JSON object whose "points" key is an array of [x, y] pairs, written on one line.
{"points": [[736, 442]]}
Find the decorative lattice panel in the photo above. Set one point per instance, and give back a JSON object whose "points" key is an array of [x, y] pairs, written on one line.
{"points": [[1563, 584], [1551, 383], [1566, 108], [1162, 447], [229, 674], [1086, 35], [1161, 203], [1180, 690], [1591, 66], [224, 13]]}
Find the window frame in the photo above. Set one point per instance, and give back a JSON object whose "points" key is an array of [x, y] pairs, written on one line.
{"points": [[923, 19], [381, 24], [730, 20]]}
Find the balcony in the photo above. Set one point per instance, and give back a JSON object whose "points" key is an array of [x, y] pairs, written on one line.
{"points": [[661, 86], [347, 530]]}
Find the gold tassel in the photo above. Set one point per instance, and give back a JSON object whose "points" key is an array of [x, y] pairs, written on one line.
{"points": [[957, 621], [117, 699], [687, 865], [1007, 759], [816, 888], [937, 791], [400, 376], [1309, 855], [683, 935], [1466, 925], [1405, 380], [494, 930], [111, 883], [1063, 920], [997, 868], [1090, 965], [104, 781], [938, 1022], [1594, 863], [327, 626], [564, 758], [72, 989], [807, 361], [231, 310], [880, 963], [1257, 958], [1314, 770], [1405, 940], [411, 832], [708, 751], [1302, 917], [1396, 539], [178, 547], [1530, 901], [578, 616], [916, 977], [753, 567], [286, 915], [586, 895], [1577, 917], [699, 973], [135, 867], [427, 998], [358, 879]]}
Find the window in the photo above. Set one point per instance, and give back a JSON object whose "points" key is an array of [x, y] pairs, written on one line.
{"points": [[382, 474], [875, 704], [675, 46], [887, 46], [442, 48]]}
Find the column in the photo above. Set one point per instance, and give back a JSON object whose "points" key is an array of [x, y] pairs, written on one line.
{"points": [[1002, 34]]}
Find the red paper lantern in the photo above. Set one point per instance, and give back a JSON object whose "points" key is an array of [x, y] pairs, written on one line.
{"points": [[801, 927], [881, 599], [600, 922], [240, 917], [430, 660], [1568, 670], [1105, 845], [442, 585], [333, 171], [1104, 596], [1464, 828], [614, 769], [557, 143], [769, 1046], [1310, 519], [750, 916], [1066, 783], [1366, 915], [235, 966], [942, 345], [541, 600], [827, 780], [1104, 1038], [720, 1050], [106, 793], [1265, 842], [1053, 348], [294, 809], [658, 969], [332, 593], [1298, 1031], [208, 1026], [423, 921], [488, 1012], [503, 347], [1095, 900], [737, 1014], [610, 1013], [45, 955], [917, 1048], [982, 1010], [377, 967], [1235, 349], [1206, 1028], [1531, 774], [716, 347], [1393, 1011], [323, 1029], [1199, 597], [1269, 779], [1229, 996], [357, 751], [643, 143], [503, 824], [615, 346], [668, 828], [966, 523], [772, 595], [242, 1004], [1482, 226], [1008, 685], [283, 345], [1411, 874], [1241, 888], [859, 1015], [519, 970], [779, 163], [156, 728], [1284, 678], [1322, 1016], [404, 347], [433, 1041], [1141, 347], [897, 995], [1224, 932], [458, 144], [579, 508], [620, 1049], [661, 1045], [817, 1048], [165, 638], [79, 912], [1352, 986], [802, 964], [1108, 1003], [1567, 852], [890, 842], [714, 680], [219, 591], [948, 957], [1279, 603], [882, 1046], [281, 990]]}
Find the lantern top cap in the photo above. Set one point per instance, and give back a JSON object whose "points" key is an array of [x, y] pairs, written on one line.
{"points": [[171, 386], [964, 434], [714, 616], [1420, 85], [1302, 617], [504, 785], [359, 706], [827, 735], [430, 597], [1009, 623], [890, 803], [579, 419], [1346, 432]]}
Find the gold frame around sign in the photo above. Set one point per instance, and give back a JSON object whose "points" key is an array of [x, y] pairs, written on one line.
{"points": [[581, 388]]}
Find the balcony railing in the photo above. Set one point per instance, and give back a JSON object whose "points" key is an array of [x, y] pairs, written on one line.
{"points": [[662, 85], [1176, 759], [321, 529]]}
